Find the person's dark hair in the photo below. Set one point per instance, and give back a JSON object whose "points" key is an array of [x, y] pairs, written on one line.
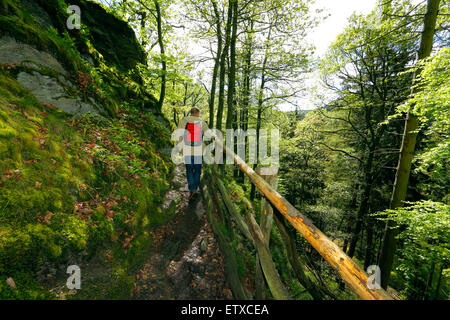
{"points": [[195, 110]]}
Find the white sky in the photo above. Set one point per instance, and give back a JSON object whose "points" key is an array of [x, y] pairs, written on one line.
{"points": [[340, 11], [325, 33]]}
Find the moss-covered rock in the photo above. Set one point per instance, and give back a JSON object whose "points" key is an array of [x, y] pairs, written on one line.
{"points": [[109, 33], [99, 60]]}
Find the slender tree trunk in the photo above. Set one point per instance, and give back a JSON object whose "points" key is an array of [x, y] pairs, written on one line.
{"points": [[438, 285], [427, 293], [350, 222], [260, 106], [175, 116], [369, 254], [216, 64], [407, 151], [143, 21], [232, 71], [186, 85], [223, 60], [247, 86], [258, 128], [364, 205], [163, 58]]}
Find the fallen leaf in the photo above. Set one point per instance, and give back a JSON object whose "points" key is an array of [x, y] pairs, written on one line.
{"points": [[10, 282], [48, 216]]}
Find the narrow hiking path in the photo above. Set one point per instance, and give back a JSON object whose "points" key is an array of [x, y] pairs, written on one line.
{"points": [[185, 261]]}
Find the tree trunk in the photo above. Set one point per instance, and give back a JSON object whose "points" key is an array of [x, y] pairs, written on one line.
{"points": [[260, 105], [143, 22], [407, 151], [438, 285], [163, 58], [258, 128], [175, 116], [216, 65], [364, 205], [352, 207], [232, 70], [222, 72], [427, 293], [369, 254], [258, 122]]}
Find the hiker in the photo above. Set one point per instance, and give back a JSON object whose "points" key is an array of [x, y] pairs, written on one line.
{"points": [[194, 128]]}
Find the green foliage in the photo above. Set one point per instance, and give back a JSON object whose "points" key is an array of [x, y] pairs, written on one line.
{"points": [[302, 163], [56, 200], [430, 103], [27, 288], [424, 235]]}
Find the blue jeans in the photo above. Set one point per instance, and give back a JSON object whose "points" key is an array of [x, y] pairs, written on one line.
{"points": [[193, 171]]}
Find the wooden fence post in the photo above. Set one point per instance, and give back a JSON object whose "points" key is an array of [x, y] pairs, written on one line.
{"points": [[270, 174]]}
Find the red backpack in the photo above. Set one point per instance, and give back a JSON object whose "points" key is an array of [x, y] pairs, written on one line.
{"points": [[193, 134]]}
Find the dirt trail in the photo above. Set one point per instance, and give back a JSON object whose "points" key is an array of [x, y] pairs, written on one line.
{"points": [[185, 261]]}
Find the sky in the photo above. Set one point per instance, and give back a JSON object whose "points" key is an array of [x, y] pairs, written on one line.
{"points": [[325, 33], [340, 11]]}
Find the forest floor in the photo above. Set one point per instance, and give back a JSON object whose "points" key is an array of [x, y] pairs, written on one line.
{"points": [[185, 261]]}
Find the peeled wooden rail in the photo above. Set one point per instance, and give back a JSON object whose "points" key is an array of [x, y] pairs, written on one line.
{"points": [[353, 275]]}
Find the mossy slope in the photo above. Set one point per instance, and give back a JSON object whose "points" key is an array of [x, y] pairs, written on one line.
{"points": [[75, 188]]}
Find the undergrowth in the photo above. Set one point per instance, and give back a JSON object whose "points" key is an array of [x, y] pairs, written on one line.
{"points": [[70, 187]]}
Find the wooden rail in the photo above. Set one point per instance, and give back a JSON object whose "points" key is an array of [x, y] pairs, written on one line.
{"points": [[351, 273]]}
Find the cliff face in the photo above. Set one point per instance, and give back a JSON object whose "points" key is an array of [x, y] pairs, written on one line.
{"points": [[109, 33], [110, 36], [34, 33], [82, 173]]}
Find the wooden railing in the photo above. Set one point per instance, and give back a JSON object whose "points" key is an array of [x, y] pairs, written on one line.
{"points": [[351, 273]]}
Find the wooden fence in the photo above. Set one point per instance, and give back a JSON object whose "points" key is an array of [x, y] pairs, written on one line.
{"points": [[217, 199]]}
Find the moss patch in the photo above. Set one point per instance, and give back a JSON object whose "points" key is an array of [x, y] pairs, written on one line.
{"points": [[71, 187]]}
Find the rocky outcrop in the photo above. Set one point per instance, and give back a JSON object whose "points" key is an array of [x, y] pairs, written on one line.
{"points": [[33, 33], [12, 51], [51, 90], [108, 34]]}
